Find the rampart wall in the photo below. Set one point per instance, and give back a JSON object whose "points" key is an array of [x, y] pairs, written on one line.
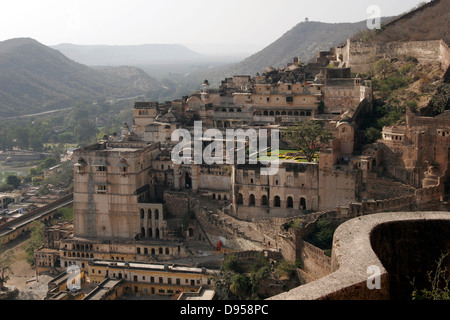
{"points": [[358, 55]]}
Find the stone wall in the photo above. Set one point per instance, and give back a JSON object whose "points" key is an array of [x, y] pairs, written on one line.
{"points": [[316, 263], [358, 55], [364, 245], [422, 198], [177, 204]]}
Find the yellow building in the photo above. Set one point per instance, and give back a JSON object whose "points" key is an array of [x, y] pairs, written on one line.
{"points": [[146, 278]]}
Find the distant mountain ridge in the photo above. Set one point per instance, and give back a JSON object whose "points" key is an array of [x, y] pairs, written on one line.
{"points": [[135, 55], [303, 41], [35, 78]]}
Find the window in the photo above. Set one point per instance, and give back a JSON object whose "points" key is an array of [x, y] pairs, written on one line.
{"points": [[100, 168], [252, 200], [302, 203], [290, 202], [264, 201], [101, 189], [160, 280], [239, 198], [276, 201]]}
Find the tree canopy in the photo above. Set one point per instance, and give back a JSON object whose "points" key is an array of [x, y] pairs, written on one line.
{"points": [[309, 136]]}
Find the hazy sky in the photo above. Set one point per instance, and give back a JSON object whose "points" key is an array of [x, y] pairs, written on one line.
{"points": [[119, 22]]}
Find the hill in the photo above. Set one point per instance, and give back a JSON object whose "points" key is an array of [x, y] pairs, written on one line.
{"points": [[36, 78], [429, 21], [135, 55], [303, 41]]}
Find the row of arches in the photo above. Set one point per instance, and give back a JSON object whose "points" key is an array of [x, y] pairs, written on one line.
{"points": [[229, 110], [83, 247], [276, 201], [150, 234], [219, 197], [286, 113], [153, 251], [149, 214], [79, 254]]}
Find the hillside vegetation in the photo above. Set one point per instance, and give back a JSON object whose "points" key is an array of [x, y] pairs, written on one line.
{"points": [[35, 78], [427, 21], [403, 83]]}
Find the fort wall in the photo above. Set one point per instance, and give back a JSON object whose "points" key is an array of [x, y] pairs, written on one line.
{"points": [[358, 55]]}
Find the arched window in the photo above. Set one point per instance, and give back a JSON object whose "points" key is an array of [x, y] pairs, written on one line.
{"points": [[239, 199], [145, 251], [266, 113], [160, 250], [302, 203], [138, 250], [142, 213], [167, 251], [153, 251], [264, 200], [149, 214], [252, 200], [156, 214], [143, 232], [290, 202], [157, 233], [276, 201], [308, 113], [150, 233]]}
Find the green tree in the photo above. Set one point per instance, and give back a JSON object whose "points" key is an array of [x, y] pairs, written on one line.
{"points": [[65, 213], [240, 285], [231, 263], [309, 136], [14, 181], [6, 260], [35, 241], [372, 134], [383, 67], [222, 283], [85, 131], [323, 235], [285, 268], [439, 284]]}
